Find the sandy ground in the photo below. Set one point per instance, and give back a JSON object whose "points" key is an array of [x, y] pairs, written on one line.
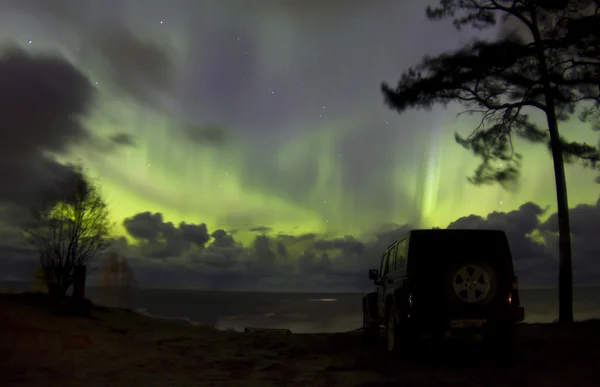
{"points": [[120, 348]]}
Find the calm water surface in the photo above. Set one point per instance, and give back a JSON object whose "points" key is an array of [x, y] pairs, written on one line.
{"points": [[300, 312], [304, 313]]}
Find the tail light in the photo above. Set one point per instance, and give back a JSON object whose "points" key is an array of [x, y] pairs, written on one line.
{"points": [[513, 296], [514, 302]]}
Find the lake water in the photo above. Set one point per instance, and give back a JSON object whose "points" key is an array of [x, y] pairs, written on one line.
{"points": [[300, 312]]}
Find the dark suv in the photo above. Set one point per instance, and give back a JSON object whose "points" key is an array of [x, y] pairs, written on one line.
{"points": [[444, 283]]}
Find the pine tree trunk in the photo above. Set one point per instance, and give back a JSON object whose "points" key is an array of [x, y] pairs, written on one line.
{"points": [[565, 270]]}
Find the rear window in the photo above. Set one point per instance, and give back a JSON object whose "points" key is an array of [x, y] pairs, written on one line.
{"points": [[433, 245]]}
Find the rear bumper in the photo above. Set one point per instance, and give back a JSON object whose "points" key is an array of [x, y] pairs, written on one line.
{"points": [[433, 323]]}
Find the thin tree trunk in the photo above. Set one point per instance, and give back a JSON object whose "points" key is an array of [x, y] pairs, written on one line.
{"points": [[565, 270]]}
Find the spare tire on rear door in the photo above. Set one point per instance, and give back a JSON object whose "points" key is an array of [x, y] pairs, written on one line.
{"points": [[470, 283]]}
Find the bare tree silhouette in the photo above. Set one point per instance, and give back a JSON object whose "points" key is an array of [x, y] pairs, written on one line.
{"points": [[68, 229]]}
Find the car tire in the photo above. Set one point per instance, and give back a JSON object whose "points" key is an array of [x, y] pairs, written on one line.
{"points": [[393, 332], [472, 296], [370, 330]]}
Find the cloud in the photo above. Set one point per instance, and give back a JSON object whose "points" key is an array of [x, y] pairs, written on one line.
{"points": [[265, 256], [222, 239], [307, 255], [309, 263], [161, 239], [347, 245], [122, 139], [137, 66], [206, 134], [262, 229], [292, 239], [224, 252], [313, 257], [282, 251], [518, 225], [190, 255], [585, 220], [43, 100], [585, 223], [131, 64]]}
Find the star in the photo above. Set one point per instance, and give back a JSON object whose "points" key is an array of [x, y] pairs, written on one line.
{"points": [[29, 41]]}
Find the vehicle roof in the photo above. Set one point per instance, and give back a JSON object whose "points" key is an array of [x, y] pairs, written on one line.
{"points": [[444, 244], [458, 234], [453, 231], [420, 234]]}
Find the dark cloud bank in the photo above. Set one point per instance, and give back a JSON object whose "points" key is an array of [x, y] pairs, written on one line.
{"points": [[44, 101], [192, 256]]}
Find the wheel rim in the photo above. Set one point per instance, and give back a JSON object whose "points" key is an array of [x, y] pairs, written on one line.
{"points": [[471, 284], [391, 334]]}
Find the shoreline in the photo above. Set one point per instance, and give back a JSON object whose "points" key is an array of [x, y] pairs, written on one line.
{"points": [[143, 312], [230, 310], [119, 347]]}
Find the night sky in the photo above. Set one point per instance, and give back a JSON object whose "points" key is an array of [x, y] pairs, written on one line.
{"points": [[262, 127]]}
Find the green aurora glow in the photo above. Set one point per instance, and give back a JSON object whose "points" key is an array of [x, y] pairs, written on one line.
{"points": [[292, 174]]}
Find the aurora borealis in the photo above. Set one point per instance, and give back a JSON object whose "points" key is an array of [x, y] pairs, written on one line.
{"points": [[267, 118]]}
